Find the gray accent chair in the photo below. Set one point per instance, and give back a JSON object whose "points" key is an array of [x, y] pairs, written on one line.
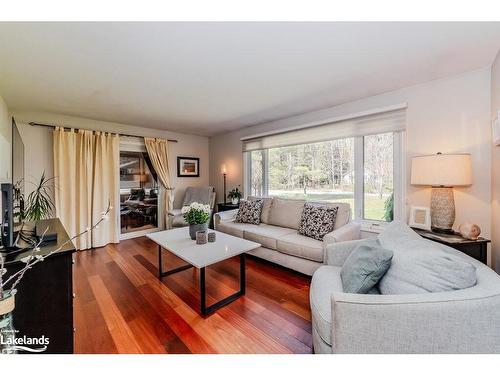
{"points": [[278, 236], [461, 321], [205, 195]]}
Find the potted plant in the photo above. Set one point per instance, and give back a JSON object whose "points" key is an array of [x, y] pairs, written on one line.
{"points": [[235, 196], [197, 216]]}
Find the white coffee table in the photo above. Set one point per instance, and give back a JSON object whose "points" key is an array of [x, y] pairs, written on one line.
{"points": [[178, 242]]}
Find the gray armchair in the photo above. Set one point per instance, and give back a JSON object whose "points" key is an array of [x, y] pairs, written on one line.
{"points": [[205, 195]]}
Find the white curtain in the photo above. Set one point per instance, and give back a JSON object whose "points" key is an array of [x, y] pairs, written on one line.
{"points": [[158, 153], [86, 169]]}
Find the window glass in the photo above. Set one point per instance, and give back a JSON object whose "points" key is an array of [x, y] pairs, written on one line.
{"points": [[257, 173], [378, 197], [321, 171], [138, 192]]}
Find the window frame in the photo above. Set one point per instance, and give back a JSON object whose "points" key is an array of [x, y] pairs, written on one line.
{"points": [[367, 224]]}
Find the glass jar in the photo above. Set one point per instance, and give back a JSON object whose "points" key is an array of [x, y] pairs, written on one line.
{"points": [[7, 331]]}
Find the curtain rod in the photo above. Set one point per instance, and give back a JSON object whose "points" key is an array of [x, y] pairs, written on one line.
{"points": [[121, 134]]}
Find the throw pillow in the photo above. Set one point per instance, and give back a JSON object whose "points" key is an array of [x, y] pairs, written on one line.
{"points": [[249, 212], [317, 220], [364, 268], [422, 266]]}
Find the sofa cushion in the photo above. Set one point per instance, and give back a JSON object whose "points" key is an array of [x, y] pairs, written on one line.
{"points": [[249, 212], [343, 213], [325, 281], [265, 234], [421, 266], [266, 208], [233, 228], [364, 267], [317, 220], [286, 212], [301, 246]]}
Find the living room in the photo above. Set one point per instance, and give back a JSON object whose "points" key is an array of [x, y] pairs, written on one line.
{"points": [[250, 188]]}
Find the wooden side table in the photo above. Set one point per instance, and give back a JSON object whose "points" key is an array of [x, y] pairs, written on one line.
{"points": [[477, 249], [226, 206]]}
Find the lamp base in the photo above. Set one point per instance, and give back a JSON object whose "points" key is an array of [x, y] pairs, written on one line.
{"points": [[442, 209]]}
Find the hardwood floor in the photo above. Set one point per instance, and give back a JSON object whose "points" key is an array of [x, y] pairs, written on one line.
{"points": [[122, 307]]}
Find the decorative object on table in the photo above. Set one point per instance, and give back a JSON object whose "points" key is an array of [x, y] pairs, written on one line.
{"points": [[7, 331], [469, 231], [477, 249], [201, 237], [249, 212], [197, 216], [235, 196], [420, 217], [224, 174], [188, 167], [9, 283], [211, 237], [442, 172], [495, 124]]}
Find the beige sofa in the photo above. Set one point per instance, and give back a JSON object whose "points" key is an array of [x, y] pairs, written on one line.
{"points": [[277, 233]]}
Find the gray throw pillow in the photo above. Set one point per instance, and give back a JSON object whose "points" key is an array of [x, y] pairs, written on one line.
{"points": [[422, 266], [364, 267]]}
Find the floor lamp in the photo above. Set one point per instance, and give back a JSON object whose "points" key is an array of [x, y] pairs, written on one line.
{"points": [[224, 174]]}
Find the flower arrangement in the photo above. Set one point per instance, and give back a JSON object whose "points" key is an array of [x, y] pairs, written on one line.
{"points": [[196, 213]]}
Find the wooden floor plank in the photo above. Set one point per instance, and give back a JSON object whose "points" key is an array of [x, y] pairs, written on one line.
{"points": [[122, 307]]}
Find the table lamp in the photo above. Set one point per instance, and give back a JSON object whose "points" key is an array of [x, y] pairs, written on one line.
{"points": [[442, 172]]}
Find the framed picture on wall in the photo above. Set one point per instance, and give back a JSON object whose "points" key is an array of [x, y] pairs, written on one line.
{"points": [[188, 167]]}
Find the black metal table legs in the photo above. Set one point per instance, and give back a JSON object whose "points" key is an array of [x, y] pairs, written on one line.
{"points": [[162, 273], [207, 310]]}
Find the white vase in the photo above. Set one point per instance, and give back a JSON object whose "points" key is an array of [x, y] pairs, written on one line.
{"points": [[235, 200]]}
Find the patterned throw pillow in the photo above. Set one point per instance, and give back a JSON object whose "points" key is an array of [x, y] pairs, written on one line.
{"points": [[249, 212], [317, 220]]}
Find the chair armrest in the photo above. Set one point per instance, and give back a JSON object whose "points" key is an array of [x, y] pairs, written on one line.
{"points": [[174, 212], [448, 322], [336, 253], [223, 216], [349, 232]]}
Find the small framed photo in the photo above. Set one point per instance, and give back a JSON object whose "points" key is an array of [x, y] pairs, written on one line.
{"points": [[420, 217], [188, 167]]}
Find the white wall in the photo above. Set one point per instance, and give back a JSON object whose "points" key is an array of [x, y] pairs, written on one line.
{"points": [[39, 154], [495, 167], [446, 115], [5, 140]]}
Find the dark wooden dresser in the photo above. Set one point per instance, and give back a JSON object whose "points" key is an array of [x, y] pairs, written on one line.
{"points": [[44, 301]]}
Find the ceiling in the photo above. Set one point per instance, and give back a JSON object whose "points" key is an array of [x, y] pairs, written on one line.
{"points": [[206, 78]]}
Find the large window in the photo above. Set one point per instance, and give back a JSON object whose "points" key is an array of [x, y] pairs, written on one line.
{"points": [[357, 170]]}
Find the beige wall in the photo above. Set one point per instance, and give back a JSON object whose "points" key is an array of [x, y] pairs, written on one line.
{"points": [[39, 156], [447, 115], [495, 167]]}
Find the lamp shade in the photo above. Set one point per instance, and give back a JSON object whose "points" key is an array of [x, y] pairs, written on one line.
{"points": [[442, 170]]}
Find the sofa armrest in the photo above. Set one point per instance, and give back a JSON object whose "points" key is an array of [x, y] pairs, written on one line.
{"points": [[224, 216], [448, 322], [349, 232], [336, 253]]}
